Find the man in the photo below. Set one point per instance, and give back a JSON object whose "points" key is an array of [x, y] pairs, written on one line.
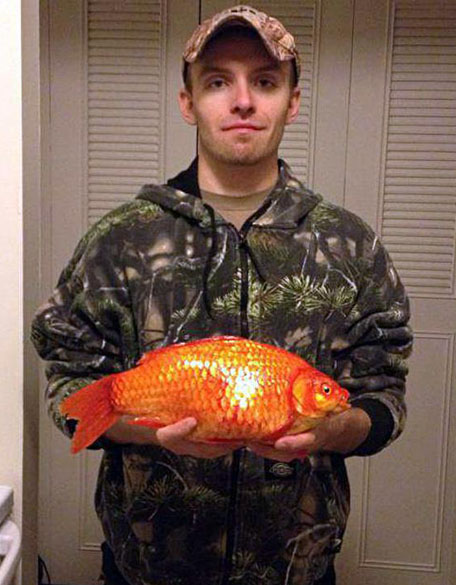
{"points": [[234, 245]]}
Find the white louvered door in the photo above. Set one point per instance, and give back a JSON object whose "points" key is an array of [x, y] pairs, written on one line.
{"points": [[125, 74], [111, 68], [376, 133], [401, 176]]}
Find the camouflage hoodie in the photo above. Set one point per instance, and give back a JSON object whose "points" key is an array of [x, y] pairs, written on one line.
{"points": [[301, 273]]}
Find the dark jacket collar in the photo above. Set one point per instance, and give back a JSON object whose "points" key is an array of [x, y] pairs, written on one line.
{"points": [[187, 180], [285, 206]]}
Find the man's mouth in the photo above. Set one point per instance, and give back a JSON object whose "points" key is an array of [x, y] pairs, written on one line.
{"points": [[242, 127]]}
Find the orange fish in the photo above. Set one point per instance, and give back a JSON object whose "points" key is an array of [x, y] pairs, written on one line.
{"points": [[237, 389]]}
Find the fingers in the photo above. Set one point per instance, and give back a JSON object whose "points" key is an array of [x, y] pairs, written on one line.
{"points": [[302, 442], [288, 448], [124, 433], [175, 438], [177, 431], [340, 433]]}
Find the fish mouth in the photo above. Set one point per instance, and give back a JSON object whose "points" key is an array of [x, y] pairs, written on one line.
{"points": [[341, 407]]}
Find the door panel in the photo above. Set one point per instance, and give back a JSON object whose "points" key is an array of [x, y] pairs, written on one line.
{"points": [[110, 70], [403, 514]]}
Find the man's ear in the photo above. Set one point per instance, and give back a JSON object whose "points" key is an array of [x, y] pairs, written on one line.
{"points": [[186, 106], [293, 106]]}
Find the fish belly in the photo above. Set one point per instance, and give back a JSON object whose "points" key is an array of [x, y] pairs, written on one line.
{"points": [[234, 392]]}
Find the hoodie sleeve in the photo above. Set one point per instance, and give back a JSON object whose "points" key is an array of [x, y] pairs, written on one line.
{"points": [[370, 357], [86, 331]]}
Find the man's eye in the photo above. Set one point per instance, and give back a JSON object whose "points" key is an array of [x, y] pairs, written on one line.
{"points": [[266, 83], [216, 83]]}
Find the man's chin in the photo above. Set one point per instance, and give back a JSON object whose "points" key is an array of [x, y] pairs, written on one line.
{"points": [[247, 159]]}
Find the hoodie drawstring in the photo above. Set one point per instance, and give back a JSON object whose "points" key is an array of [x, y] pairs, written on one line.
{"points": [[211, 254], [207, 267]]}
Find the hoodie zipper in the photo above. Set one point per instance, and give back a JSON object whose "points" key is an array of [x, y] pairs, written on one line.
{"points": [[244, 284], [236, 462], [241, 236]]}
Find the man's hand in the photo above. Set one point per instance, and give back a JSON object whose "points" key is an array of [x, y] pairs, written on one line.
{"points": [[340, 433], [172, 437]]}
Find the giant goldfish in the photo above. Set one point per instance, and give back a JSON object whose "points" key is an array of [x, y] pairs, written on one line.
{"points": [[237, 390]]}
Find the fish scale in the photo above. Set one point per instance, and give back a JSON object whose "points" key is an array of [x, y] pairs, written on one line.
{"points": [[237, 389]]}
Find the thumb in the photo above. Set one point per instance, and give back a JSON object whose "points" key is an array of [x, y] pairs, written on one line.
{"points": [[177, 430]]}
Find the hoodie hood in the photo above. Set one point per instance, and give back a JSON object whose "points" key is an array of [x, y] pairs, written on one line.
{"points": [[287, 204]]}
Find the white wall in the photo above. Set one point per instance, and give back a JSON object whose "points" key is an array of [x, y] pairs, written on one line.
{"points": [[32, 176], [11, 328]]}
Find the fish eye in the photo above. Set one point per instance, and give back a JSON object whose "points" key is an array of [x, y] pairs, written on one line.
{"points": [[326, 389]]}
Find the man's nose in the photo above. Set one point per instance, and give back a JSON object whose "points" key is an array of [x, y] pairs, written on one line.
{"points": [[243, 99]]}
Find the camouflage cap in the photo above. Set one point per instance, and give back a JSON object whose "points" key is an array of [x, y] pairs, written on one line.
{"points": [[277, 40]]}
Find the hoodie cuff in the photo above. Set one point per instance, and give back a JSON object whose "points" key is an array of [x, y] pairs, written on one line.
{"points": [[381, 429]]}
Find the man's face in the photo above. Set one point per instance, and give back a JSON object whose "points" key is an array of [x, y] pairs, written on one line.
{"points": [[240, 99]]}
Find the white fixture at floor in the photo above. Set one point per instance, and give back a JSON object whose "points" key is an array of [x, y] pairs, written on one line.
{"points": [[10, 538]]}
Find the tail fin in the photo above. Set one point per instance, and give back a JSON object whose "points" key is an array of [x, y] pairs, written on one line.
{"points": [[91, 407]]}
